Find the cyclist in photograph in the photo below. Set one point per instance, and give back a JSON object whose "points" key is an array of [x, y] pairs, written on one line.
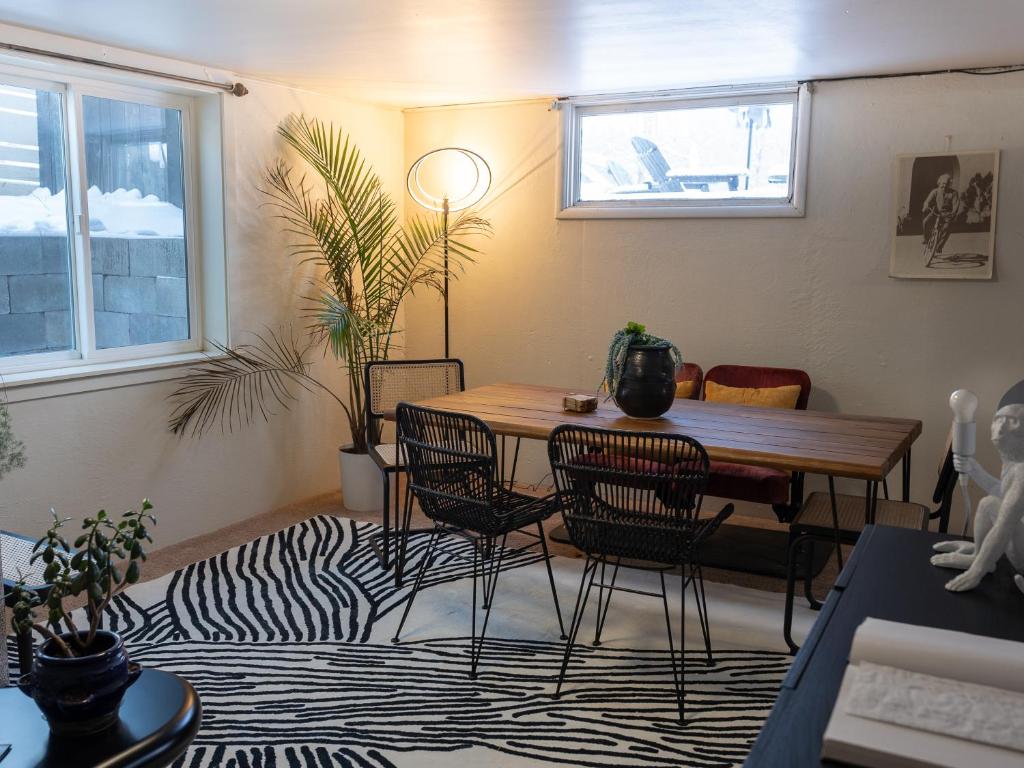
{"points": [[940, 207]]}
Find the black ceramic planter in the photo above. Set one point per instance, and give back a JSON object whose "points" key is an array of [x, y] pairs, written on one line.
{"points": [[648, 384], [81, 694]]}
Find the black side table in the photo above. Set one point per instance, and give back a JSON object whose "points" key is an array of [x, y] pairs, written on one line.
{"points": [[160, 717]]}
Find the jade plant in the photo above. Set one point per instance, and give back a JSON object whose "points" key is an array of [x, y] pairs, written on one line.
{"points": [[106, 559], [634, 334]]}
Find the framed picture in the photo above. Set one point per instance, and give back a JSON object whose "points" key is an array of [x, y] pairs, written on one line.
{"points": [[944, 223]]}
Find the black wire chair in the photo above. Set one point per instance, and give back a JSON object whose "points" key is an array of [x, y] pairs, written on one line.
{"points": [[633, 499], [452, 466], [387, 383]]}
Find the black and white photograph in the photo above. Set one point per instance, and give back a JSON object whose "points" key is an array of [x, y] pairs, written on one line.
{"points": [[946, 215]]}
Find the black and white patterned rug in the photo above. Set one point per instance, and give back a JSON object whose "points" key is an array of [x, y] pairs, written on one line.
{"points": [[287, 640]]}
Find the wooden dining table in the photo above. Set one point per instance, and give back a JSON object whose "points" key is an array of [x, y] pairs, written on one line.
{"points": [[865, 448]]}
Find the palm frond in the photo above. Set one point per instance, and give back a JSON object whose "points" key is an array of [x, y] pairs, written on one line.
{"points": [[340, 218], [238, 385], [354, 189], [418, 255], [336, 323]]}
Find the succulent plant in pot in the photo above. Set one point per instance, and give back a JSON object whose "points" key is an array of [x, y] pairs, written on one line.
{"points": [[640, 372], [81, 672]]}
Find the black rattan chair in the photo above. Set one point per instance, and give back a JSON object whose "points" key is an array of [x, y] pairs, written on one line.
{"points": [[17, 565], [633, 499], [452, 466], [387, 383]]}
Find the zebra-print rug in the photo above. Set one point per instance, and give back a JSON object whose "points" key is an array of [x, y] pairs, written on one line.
{"points": [[287, 640]]}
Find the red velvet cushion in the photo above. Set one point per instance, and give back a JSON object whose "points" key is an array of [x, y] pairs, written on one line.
{"points": [[653, 477], [748, 483], [622, 463]]}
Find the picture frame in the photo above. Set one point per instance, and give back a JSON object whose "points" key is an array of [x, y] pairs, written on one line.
{"points": [[944, 215]]}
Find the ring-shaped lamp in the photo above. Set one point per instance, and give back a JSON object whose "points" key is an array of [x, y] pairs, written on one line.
{"points": [[467, 192]]}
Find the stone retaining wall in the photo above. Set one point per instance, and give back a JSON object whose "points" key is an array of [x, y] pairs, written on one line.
{"points": [[140, 293]]}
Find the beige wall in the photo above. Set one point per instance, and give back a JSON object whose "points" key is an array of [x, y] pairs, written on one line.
{"points": [[812, 293], [110, 448]]}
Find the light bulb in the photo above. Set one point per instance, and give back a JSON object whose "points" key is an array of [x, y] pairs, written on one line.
{"points": [[963, 403]]}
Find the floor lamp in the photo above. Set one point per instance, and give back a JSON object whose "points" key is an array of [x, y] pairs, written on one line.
{"points": [[447, 180]]}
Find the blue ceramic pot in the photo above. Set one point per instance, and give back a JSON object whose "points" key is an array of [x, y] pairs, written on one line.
{"points": [[648, 385], [81, 694]]}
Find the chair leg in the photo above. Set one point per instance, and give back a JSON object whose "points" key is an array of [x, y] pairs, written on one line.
{"points": [[427, 557], [678, 670], [602, 613], [402, 540], [477, 648], [701, 598], [586, 582], [486, 556], [600, 604], [787, 623], [551, 579], [809, 577], [385, 544], [397, 518]]}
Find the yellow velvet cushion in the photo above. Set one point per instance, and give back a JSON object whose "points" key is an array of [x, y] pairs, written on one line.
{"points": [[762, 397], [685, 388]]}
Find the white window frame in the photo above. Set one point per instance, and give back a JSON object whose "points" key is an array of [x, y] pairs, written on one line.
{"points": [[573, 109], [84, 354]]}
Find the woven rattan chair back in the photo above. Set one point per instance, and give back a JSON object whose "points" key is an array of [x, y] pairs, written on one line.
{"points": [[393, 381], [633, 495], [451, 460]]}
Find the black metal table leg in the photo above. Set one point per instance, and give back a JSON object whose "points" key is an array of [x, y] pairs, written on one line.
{"points": [[787, 624], [871, 502], [835, 520], [515, 461], [906, 475]]}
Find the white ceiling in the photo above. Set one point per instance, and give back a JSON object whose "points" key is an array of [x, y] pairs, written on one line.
{"points": [[420, 52]]}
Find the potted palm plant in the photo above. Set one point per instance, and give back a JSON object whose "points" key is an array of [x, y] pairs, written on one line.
{"points": [[640, 372], [12, 456], [80, 673], [344, 222]]}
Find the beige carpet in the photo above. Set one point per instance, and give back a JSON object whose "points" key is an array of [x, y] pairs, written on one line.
{"points": [[177, 556]]}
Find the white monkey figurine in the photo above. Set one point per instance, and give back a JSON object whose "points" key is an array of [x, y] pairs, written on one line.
{"points": [[999, 521]]}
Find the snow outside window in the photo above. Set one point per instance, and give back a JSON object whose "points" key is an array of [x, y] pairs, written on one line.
{"points": [[96, 250]]}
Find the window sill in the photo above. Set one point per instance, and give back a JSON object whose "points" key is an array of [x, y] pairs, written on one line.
{"points": [[755, 211], [76, 379]]}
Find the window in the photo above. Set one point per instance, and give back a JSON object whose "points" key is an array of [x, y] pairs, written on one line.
{"points": [[97, 257], [691, 153]]}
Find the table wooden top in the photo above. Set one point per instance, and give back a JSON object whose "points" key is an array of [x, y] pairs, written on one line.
{"points": [[863, 447]]}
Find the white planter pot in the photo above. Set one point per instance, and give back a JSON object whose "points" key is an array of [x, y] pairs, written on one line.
{"points": [[362, 488]]}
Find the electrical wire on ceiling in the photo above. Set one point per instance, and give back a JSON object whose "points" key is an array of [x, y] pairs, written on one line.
{"points": [[997, 70]]}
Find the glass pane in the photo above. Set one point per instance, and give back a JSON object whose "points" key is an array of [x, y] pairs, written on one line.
{"points": [[35, 269], [136, 199], [698, 153]]}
